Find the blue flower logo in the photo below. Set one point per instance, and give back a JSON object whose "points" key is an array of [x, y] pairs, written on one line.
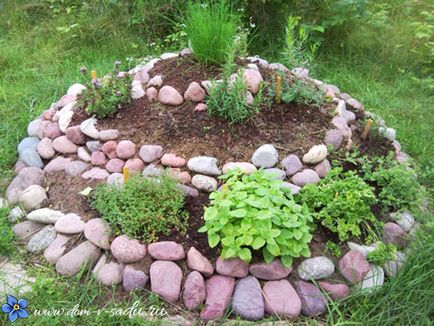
{"points": [[15, 308]]}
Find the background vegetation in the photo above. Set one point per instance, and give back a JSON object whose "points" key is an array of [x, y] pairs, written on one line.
{"points": [[381, 52]]}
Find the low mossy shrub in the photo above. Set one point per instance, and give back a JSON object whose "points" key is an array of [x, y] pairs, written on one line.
{"points": [[255, 212], [144, 208], [104, 96], [211, 28], [341, 202]]}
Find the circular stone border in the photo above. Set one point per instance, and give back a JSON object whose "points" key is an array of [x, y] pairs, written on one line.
{"points": [[230, 281]]}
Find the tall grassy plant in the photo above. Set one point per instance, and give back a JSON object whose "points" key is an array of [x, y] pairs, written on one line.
{"points": [[211, 29]]}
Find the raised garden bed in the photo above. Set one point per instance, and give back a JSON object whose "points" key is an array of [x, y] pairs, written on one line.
{"points": [[166, 126]]}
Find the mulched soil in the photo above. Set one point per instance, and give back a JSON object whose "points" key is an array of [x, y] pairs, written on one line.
{"points": [[291, 128]]}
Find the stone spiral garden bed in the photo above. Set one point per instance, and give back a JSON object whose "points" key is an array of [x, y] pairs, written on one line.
{"points": [[166, 126]]}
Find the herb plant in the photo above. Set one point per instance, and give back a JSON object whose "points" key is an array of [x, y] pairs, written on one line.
{"points": [[255, 212], [333, 248], [143, 208], [341, 202], [211, 29], [382, 254], [104, 96]]}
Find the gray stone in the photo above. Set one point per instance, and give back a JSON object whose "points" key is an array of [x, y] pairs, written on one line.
{"points": [[151, 171], [34, 127], [247, 301], [364, 250], [45, 215], [75, 168], [277, 173], [31, 158], [374, 278], [14, 279], [313, 302], [334, 138], [392, 267], [316, 268], [265, 156], [323, 168], [150, 153], [42, 239], [404, 219], [28, 143], [305, 177], [291, 164], [88, 127], [16, 214], [93, 145], [294, 189], [33, 197], [203, 182], [85, 254], [25, 229], [134, 277], [204, 165]]}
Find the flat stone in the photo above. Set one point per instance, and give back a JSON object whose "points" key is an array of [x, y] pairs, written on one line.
{"points": [[31, 158], [233, 267], [46, 149], [204, 165], [245, 167], [374, 278], [57, 164], [291, 164], [33, 197], [394, 234], [166, 278], [265, 156], [203, 182], [108, 134], [166, 250], [75, 168], [85, 254], [14, 279], [63, 145], [195, 92], [25, 229], [353, 266], [247, 301], [45, 215], [126, 149], [194, 293], [127, 250], [305, 177], [169, 96], [281, 299], [56, 249], [198, 262], [150, 153], [70, 224], [316, 268], [219, 291], [134, 277], [336, 291], [95, 173], [98, 232], [313, 302], [42, 239], [270, 272], [26, 177], [362, 249]]}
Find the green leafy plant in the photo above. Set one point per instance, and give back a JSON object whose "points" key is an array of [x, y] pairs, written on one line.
{"points": [[333, 248], [228, 98], [143, 208], [297, 91], [341, 202], [211, 28], [382, 254], [104, 96], [256, 212]]}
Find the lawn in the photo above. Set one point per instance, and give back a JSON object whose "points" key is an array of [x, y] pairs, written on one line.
{"points": [[44, 44]]}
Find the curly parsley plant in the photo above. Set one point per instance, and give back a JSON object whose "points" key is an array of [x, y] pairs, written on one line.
{"points": [[255, 212]]}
